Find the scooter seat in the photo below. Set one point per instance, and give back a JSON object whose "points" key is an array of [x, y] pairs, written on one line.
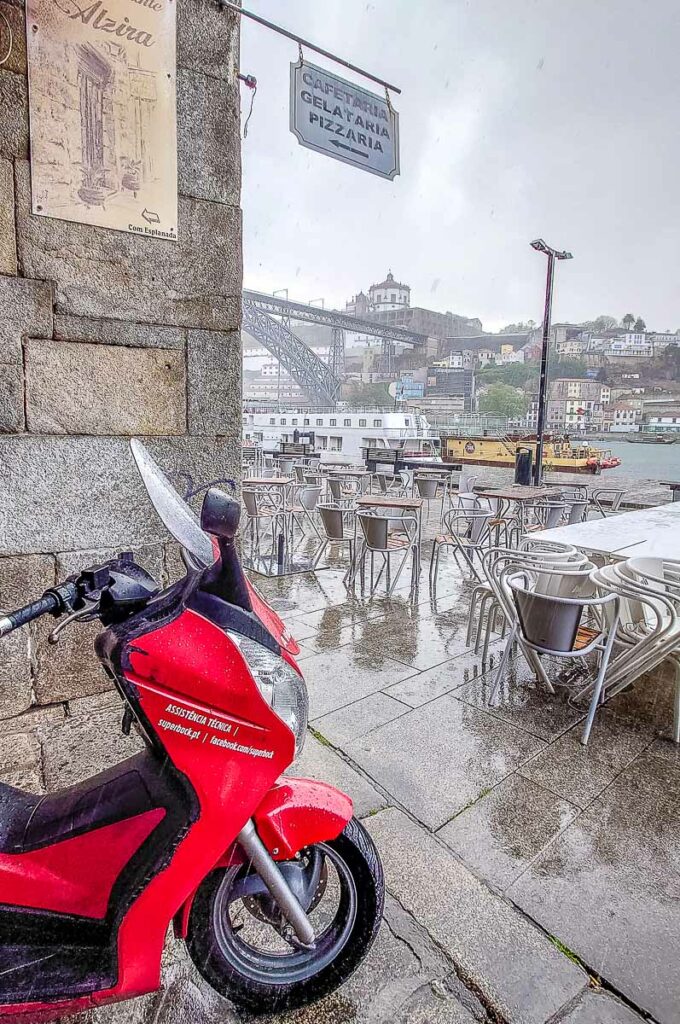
{"points": [[30, 821], [16, 808]]}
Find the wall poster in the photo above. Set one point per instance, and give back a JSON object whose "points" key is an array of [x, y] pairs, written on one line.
{"points": [[103, 113]]}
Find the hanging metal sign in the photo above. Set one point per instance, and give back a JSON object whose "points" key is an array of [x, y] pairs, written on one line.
{"points": [[336, 117], [103, 113]]}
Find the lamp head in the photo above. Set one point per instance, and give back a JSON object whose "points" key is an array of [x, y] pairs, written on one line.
{"points": [[542, 246]]}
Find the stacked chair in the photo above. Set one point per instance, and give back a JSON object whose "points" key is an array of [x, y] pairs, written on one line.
{"points": [[647, 628]]}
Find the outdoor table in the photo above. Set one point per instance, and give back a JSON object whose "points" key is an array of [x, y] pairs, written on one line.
{"points": [[520, 494], [406, 505], [648, 533], [516, 492], [268, 481], [361, 475]]}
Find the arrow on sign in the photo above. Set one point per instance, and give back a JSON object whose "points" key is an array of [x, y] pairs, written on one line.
{"points": [[150, 216], [341, 145]]}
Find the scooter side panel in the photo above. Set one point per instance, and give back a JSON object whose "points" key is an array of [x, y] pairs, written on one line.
{"points": [[75, 876]]}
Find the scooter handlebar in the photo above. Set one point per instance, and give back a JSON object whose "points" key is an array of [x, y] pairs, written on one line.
{"points": [[53, 601]]}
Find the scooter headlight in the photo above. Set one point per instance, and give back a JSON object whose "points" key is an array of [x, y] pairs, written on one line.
{"points": [[280, 685]]}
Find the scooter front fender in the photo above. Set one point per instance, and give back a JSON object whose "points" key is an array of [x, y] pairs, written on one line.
{"points": [[294, 814], [300, 812]]}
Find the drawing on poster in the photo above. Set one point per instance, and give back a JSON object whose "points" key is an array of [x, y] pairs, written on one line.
{"points": [[103, 113]]}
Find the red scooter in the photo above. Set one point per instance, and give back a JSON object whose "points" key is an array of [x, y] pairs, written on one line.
{"points": [[275, 887]]}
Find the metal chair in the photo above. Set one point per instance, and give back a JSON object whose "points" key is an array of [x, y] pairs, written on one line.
{"points": [[649, 627], [379, 539], [392, 486], [606, 500], [543, 514], [334, 531], [466, 532], [556, 626], [429, 488], [263, 506], [406, 477], [577, 510], [504, 525], [305, 500], [490, 603], [342, 494], [269, 467], [467, 480]]}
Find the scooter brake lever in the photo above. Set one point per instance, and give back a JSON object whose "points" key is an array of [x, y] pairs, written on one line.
{"points": [[82, 613]]}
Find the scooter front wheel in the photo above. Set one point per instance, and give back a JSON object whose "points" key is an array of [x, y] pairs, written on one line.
{"points": [[244, 947]]}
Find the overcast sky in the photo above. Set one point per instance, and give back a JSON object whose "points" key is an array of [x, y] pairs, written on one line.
{"points": [[518, 119]]}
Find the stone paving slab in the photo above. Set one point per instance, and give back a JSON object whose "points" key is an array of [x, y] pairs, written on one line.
{"points": [[650, 699], [403, 964], [337, 616], [578, 773], [305, 652], [357, 719], [424, 643], [319, 761], [609, 886], [438, 758], [434, 1007], [503, 832], [346, 674], [520, 974], [302, 630], [435, 682], [667, 751], [598, 1007], [365, 633], [523, 702]]}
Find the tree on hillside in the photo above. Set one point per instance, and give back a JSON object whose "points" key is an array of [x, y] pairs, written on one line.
{"points": [[518, 328], [567, 368], [670, 362], [358, 394], [515, 374], [604, 323], [640, 325], [504, 401], [627, 321]]}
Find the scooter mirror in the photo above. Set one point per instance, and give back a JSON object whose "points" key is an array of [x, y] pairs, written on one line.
{"points": [[220, 514]]}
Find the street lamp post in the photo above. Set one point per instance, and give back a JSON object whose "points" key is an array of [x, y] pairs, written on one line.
{"points": [[553, 254]]}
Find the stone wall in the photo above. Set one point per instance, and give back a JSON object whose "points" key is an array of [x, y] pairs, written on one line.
{"points": [[104, 335]]}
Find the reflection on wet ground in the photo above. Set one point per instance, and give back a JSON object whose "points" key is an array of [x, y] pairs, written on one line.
{"points": [[586, 841]]}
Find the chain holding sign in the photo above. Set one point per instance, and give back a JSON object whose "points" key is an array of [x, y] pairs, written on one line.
{"points": [[333, 116], [103, 113]]}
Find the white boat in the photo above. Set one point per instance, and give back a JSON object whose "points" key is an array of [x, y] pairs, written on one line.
{"points": [[340, 434]]}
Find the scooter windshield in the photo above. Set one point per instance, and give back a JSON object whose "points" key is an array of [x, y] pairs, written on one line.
{"points": [[177, 516]]}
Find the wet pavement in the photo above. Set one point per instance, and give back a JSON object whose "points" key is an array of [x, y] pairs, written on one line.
{"points": [[543, 877]]}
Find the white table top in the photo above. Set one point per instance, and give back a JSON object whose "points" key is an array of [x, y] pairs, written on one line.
{"points": [[648, 532]]}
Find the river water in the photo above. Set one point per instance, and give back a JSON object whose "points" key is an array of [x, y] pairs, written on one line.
{"points": [[643, 467], [643, 461]]}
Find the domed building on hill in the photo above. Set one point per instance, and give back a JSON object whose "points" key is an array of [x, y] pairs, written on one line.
{"points": [[389, 294]]}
